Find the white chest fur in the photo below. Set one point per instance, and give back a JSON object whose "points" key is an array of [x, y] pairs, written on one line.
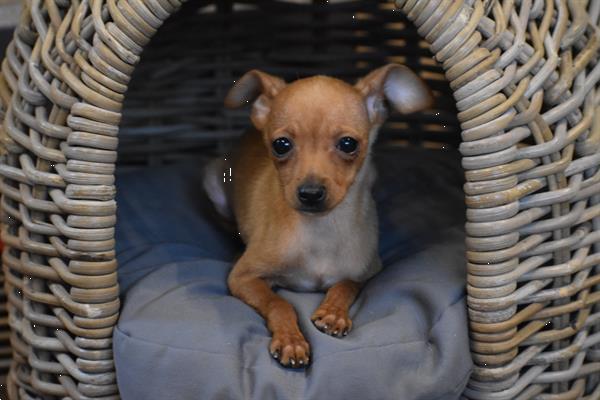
{"points": [[339, 245]]}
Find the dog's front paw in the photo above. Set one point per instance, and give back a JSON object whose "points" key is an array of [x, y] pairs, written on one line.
{"points": [[290, 349], [332, 320]]}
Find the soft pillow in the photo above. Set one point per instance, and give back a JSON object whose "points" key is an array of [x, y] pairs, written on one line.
{"points": [[181, 335]]}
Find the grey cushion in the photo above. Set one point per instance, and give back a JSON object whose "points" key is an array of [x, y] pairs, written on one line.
{"points": [[182, 336]]}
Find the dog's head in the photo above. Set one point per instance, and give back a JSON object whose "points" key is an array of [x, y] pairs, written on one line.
{"points": [[319, 130]]}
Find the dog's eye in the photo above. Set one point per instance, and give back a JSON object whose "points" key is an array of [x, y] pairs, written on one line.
{"points": [[347, 144], [282, 146]]}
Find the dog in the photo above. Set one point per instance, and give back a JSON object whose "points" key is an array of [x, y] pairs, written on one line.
{"points": [[301, 194]]}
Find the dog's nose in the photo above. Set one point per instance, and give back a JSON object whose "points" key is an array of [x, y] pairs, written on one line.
{"points": [[311, 195]]}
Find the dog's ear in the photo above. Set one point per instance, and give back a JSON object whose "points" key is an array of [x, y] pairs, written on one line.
{"points": [[403, 89], [257, 87]]}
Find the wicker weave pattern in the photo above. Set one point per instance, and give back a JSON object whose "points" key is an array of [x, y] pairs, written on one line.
{"points": [[524, 78], [525, 83], [62, 87]]}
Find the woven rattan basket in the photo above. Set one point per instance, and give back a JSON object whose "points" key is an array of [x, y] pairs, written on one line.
{"points": [[524, 78]]}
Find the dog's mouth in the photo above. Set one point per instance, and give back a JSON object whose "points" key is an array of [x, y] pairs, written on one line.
{"points": [[313, 210]]}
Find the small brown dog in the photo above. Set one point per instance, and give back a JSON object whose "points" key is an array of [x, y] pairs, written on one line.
{"points": [[301, 194]]}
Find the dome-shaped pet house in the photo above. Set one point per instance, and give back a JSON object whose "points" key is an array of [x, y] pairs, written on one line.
{"points": [[523, 75]]}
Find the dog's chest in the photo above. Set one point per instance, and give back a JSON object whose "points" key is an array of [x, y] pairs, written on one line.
{"points": [[325, 250]]}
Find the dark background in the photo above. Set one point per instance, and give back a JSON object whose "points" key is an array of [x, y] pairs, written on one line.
{"points": [[5, 35]]}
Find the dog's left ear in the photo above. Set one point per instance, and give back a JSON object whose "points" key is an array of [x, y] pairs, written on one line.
{"points": [[259, 88], [405, 91]]}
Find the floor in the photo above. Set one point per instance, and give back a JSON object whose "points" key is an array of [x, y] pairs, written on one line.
{"points": [[9, 15], [9, 12]]}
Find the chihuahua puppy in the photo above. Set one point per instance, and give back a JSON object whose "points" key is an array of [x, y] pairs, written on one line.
{"points": [[301, 194]]}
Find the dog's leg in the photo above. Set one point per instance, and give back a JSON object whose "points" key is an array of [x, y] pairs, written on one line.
{"points": [[332, 315], [287, 343]]}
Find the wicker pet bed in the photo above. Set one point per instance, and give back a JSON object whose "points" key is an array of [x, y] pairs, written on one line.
{"points": [[524, 78]]}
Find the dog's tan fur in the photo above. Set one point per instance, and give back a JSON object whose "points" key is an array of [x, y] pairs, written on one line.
{"points": [[334, 250]]}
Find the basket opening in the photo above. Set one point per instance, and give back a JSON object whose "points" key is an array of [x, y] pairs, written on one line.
{"points": [[174, 105]]}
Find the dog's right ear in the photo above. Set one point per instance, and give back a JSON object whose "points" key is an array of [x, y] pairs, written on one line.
{"points": [[257, 87], [404, 90]]}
